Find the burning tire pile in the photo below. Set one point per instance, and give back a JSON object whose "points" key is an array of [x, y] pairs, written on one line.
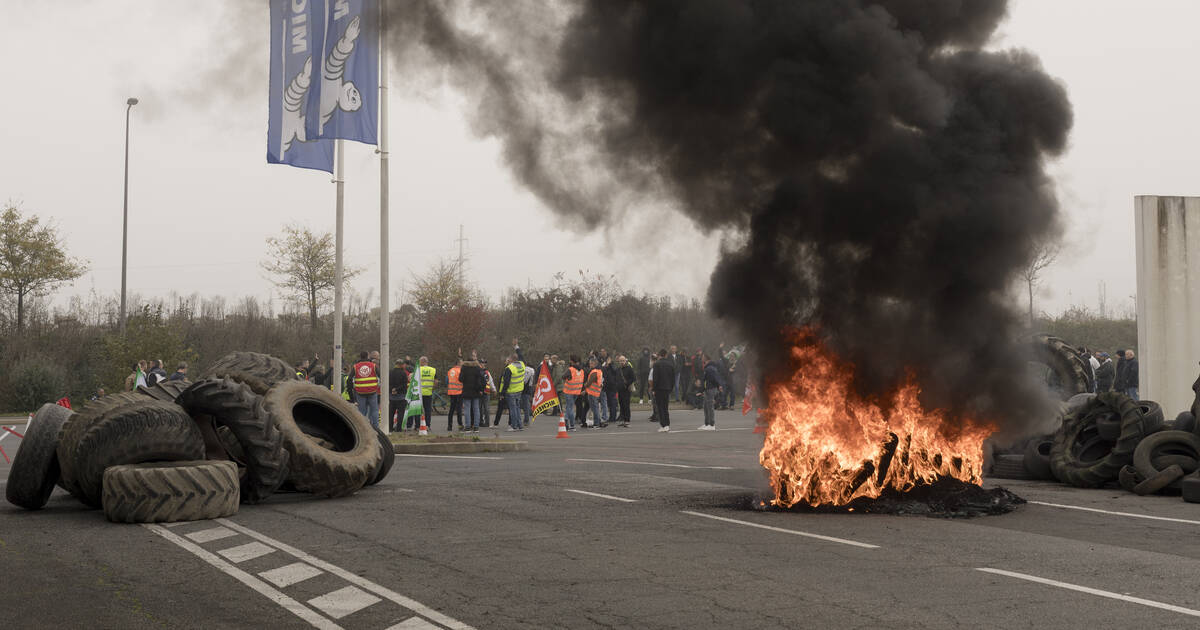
{"points": [[185, 450]]}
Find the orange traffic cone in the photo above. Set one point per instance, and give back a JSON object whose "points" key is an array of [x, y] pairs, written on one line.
{"points": [[424, 429], [562, 429]]}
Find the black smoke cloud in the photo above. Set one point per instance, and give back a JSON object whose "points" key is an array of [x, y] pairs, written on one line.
{"points": [[883, 172]]}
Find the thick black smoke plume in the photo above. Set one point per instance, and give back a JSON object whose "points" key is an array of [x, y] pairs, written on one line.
{"points": [[883, 172]]}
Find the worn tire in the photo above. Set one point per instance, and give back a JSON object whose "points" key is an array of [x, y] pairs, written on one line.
{"points": [[389, 458], [1063, 456], [1159, 481], [1037, 458], [35, 466], [299, 408], [77, 424], [145, 431], [1078, 401], [170, 491], [1010, 467], [1164, 443], [259, 371], [1062, 359], [1129, 478], [1190, 487], [1185, 421], [235, 406], [166, 391], [1152, 416]]}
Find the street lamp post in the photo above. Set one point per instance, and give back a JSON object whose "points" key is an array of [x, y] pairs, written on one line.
{"points": [[125, 221]]}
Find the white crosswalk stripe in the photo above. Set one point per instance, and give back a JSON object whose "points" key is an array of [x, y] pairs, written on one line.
{"points": [[344, 601], [290, 574], [209, 535], [248, 551]]}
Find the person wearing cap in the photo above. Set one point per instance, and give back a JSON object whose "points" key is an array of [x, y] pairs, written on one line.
{"points": [[180, 373]]}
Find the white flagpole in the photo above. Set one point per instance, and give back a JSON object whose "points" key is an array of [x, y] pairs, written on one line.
{"points": [[340, 180], [384, 312]]}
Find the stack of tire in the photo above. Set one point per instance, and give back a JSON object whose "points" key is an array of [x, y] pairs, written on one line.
{"points": [[185, 451]]}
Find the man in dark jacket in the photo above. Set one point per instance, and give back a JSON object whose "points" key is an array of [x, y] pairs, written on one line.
{"points": [[677, 365], [662, 381], [623, 394], [1106, 374], [397, 388], [712, 384], [613, 382], [157, 373], [643, 374], [474, 390], [1131, 375]]}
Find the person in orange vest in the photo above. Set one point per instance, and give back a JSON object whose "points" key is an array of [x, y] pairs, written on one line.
{"points": [[593, 386], [366, 388], [454, 389], [571, 389]]}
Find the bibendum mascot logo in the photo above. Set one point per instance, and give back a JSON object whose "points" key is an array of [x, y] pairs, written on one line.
{"points": [[336, 93]]}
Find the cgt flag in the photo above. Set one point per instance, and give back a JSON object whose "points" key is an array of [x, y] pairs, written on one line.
{"points": [[545, 397], [292, 73], [343, 101], [415, 406]]}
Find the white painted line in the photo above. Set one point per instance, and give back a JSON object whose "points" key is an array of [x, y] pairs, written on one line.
{"points": [[290, 574], [248, 551], [413, 605], [209, 535], [1094, 591], [1129, 514], [794, 532], [295, 607], [344, 601], [602, 496], [446, 456], [622, 461], [413, 623], [176, 523]]}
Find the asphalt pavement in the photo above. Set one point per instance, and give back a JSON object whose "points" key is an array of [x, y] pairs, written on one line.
{"points": [[612, 528]]}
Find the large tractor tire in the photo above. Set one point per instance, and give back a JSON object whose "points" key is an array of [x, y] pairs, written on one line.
{"points": [[163, 492], [389, 458], [76, 425], [259, 371], [1073, 458], [1067, 375], [144, 431], [166, 391], [35, 466], [234, 405], [302, 409]]}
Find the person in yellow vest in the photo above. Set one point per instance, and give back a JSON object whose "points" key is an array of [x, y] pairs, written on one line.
{"points": [[593, 386], [366, 388], [512, 384], [454, 389], [428, 375], [572, 387]]}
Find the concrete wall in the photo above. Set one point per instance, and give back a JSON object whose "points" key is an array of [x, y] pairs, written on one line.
{"points": [[1168, 298]]}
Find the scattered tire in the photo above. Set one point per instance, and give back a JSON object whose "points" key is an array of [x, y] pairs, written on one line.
{"points": [[77, 424], [1108, 427], [1159, 481], [147, 430], [1190, 486], [1164, 443], [299, 408], [1074, 439], [1010, 467], [35, 466], [234, 405], [1067, 376], [170, 491], [166, 391], [1037, 458], [259, 371], [1129, 477], [1152, 416], [389, 458], [1187, 463], [1078, 401], [1185, 421]]}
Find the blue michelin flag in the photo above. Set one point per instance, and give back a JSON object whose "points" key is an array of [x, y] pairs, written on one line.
{"points": [[343, 101], [293, 69]]}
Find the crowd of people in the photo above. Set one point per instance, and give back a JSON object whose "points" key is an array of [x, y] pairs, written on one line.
{"points": [[149, 372], [594, 390], [1105, 375]]}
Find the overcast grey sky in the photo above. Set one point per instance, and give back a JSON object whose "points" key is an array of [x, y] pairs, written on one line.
{"points": [[203, 199]]}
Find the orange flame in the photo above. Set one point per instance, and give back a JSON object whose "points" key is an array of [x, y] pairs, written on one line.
{"points": [[826, 445]]}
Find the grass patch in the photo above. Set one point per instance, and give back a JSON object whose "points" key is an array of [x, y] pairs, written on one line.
{"points": [[408, 438]]}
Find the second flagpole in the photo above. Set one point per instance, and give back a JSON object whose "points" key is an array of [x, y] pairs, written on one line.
{"points": [[385, 363]]}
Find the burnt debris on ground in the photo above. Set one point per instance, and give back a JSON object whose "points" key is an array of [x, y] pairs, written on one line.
{"points": [[944, 498]]}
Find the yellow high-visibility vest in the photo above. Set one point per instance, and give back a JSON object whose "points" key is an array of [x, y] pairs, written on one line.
{"points": [[428, 374], [516, 380]]}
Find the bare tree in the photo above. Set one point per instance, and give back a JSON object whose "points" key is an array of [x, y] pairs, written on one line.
{"points": [[1043, 256], [302, 264], [33, 259]]}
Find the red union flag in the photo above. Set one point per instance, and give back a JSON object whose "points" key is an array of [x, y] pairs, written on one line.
{"points": [[545, 397]]}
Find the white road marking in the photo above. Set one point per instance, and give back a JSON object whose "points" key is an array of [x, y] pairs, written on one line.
{"points": [[602, 496], [290, 574], [413, 623], [209, 535], [176, 523], [1093, 591], [358, 580], [446, 456], [1129, 514], [248, 551], [622, 461], [344, 601], [794, 532], [293, 606]]}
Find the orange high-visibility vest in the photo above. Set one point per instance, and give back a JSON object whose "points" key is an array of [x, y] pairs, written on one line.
{"points": [[453, 385], [366, 381], [574, 382], [594, 388]]}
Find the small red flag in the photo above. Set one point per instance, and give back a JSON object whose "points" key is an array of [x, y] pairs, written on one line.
{"points": [[545, 397], [64, 402]]}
